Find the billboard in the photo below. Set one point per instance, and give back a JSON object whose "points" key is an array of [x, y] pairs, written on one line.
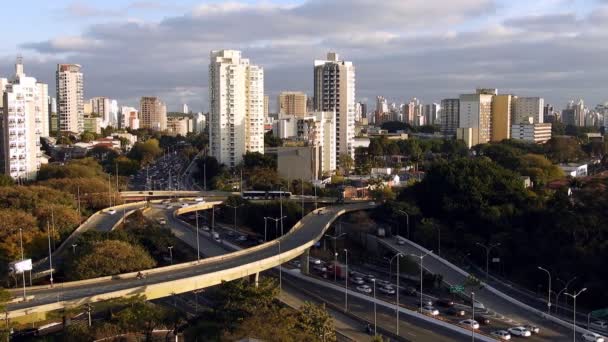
{"points": [[20, 266]]}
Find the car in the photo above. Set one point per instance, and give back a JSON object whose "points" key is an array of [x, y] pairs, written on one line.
{"points": [[593, 337], [532, 328], [519, 331], [501, 335], [169, 206], [410, 291], [162, 221], [242, 238], [320, 268], [314, 261], [429, 310], [357, 280], [479, 306], [111, 211], [456, 312], [387, 289], [370, 278], [445, 302], [371, 203], [482, 320], [199, 199], [364, 289], [469, 323], [184, 205], [400, 241], [599, 325], [381, 282], [426, 302], [206, 228]]}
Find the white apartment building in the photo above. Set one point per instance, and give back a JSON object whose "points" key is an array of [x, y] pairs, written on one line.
{"points": [[285, 127], [24, 118], [129, 117], [538, 133], [114, 113], [236, 102], [334, 89], [319, 129], [475, 119], [153, 113], [525, 108], [70, 98], [200, 122]]}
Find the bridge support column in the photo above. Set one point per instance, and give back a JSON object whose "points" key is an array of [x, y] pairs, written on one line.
{"points": [[254, 279], [304, 264]]}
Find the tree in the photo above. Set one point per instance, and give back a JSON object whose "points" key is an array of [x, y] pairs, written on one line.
{"points": [[6, 180], [394, 126], [316, 321], [145, 152], [88, 136], [564, 149], [540, 170], [107, 258], [253, 160], [271, 141], [242, 299], [346, 163], [126, 166]]}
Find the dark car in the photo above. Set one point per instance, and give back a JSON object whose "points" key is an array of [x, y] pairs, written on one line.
{"points": [[456, 312], [482, 320], [444, 302], [410, 291]]}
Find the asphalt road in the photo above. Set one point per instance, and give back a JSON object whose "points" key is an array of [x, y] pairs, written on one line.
{"points": [[310, 229], [549, 330]]}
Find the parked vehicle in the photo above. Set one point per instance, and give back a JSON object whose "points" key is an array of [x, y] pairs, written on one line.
{"points": [[593, 337], [429, 310], [501, 335], [532, 328], [519, 331], [216, 236], [469, 323], [369, 278], [364, 289]]}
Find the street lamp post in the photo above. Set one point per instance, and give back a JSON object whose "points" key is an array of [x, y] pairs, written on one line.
{"points": [[574, 316], [276, 223], [398, 256], [265, 228], [346, 281], [198, 247], [171, 254], [421, 257], [280, 269], [562, 290], [335, 266], [74, 248], [548, 291], [48, 232], [235, 207], [488, 249], [375, 313], [473, 316], [22, 257], [407, 222]]}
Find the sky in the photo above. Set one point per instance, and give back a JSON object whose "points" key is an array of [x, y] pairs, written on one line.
{"points": [[429, 49]]}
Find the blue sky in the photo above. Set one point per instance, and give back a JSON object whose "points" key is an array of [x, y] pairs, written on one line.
{"points": [[428, 49]]}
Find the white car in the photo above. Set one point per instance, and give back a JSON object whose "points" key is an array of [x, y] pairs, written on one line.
{"points": [[470, 323], [599, 325], [169, 206], [501, 335], [242, 238], [593, 337], [199, 199], [364, 289], [357, 280], [314, 261], [206, 228], [520, 331], [532, 328], [389, 290], [111, 211], [381, 282], [429, 310], [400, 241]]}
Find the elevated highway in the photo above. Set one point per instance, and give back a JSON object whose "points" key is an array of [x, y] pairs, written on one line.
{"points": [[186, 277]]}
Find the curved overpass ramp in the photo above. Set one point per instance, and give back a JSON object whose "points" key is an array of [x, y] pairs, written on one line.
{"points": [[186, 277]]}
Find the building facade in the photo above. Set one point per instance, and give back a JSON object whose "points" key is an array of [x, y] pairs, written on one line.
{"points": [[292, 103], [334, 91], [525, 108], [319, 129], [24, 118], [236, 98], [153, 113], [475, 116], [70, 97], [502, 106], [100, 106], [450, 116], [538, 133], [178, 125]]}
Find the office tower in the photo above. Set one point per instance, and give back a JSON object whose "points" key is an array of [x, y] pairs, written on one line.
{"points": [[185, 109], [431, 113], [292, 103], [334, 86], [501, 117], [475, 126], [574, 114], [381, 110], [525, 108], [70, 98], [100, 107], [236, 102], [363, 109], [24, 104], [153, 113], [450, 116]]}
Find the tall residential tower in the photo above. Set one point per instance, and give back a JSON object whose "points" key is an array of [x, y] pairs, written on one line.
{"points": [[70, 98]]}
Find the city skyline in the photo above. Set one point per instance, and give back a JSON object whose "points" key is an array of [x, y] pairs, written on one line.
{"points": [[549, 48]]}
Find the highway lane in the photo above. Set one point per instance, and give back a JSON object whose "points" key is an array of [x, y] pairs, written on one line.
{"points": [[549, 331], [308, 231]]}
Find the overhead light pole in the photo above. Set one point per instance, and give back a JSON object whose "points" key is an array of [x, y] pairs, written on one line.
{"points": [[398, 256], [407, 222], [487, 249], [421, 257], [548, 290], [574, 316]]}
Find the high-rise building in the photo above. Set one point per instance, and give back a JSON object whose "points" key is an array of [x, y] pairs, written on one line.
{"points": [[70, 98], [292, 103], [502, 106], [114, 113], [24, 118], [185, 109], [319, 129], [236, 98], [450, 116], [200, 123], [266, 105], [153, 113], [574, 114], [525, 108], [475, 125], [129, 117], [334, 87], [53, 121], [381, 110], [431, 113], [100, 107]]}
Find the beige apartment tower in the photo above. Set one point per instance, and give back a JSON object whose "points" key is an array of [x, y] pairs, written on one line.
{"points": [[292, 103], [70, 98], [153, 113], [501, 117]]}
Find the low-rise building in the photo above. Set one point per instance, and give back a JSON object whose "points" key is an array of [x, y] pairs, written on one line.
{"points": [[532, 132], [299, 162], [575, 170], [178, 125]]}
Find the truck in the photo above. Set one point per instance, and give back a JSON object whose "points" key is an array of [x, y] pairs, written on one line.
{"points": [[339, 269]]}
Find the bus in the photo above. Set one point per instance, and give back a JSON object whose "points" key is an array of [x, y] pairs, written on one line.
{"points": [[272, 195]]}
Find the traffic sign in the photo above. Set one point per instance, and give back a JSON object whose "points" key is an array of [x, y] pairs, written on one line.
{"points": [[599, 313], [456, 289]]}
